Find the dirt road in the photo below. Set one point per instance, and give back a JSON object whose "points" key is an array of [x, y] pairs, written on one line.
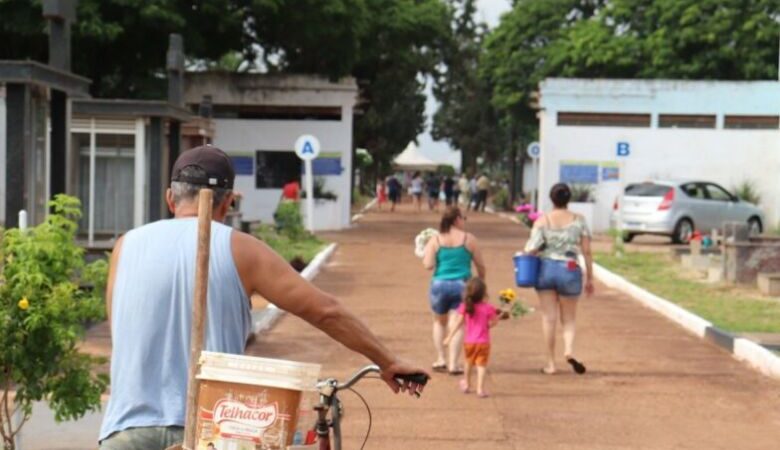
{"points": [[650, 385]]}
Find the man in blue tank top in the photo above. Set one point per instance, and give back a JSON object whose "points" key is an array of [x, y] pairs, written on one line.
{"points": [[149, 302]]}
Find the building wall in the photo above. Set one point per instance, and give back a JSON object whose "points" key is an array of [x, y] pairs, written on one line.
{"points": [[725, 156], [243, 137]]}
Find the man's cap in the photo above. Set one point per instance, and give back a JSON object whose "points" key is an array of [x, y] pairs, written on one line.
{"points": [[214, 162]]}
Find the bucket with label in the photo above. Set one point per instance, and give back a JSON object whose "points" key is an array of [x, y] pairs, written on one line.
{"points": [[246, 403]]}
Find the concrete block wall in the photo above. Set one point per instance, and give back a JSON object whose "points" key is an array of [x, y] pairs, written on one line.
{"points": [[744, 261]]}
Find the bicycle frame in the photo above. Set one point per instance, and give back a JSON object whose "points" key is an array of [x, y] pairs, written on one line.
{"points": [[329, 402]]}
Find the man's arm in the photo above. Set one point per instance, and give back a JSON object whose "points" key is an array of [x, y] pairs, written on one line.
{"points": [[111, 276], [266, 273]]}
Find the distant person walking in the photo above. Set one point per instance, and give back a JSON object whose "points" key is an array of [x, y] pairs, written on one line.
{"points": [[473, 196], [483, 184], [463, 190], [479, 316], [450, 255], [559, 238], [381, 194], [449, 191], [394, 191], [433, 185], [416, 189]]}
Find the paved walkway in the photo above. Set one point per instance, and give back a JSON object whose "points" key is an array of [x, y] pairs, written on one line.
{"points": [[650, 385]]}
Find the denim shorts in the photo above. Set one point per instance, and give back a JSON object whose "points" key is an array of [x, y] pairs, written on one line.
{"points": [[558, 276], [143, 438], [446, 295]]}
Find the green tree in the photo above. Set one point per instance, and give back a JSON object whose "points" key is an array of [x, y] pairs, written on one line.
{"points": [[465, 118], [700, 39], [684, 39], [120, 44], [401, 47], [387, 45], [47, 294], [517, 52], [322, 37]]}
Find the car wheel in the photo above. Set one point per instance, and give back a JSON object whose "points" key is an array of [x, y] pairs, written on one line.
{"points": [[628, 237], [754, 226], [683, 231]]}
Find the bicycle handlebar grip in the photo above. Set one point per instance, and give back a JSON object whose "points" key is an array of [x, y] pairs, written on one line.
{"points": [[417, 378]]}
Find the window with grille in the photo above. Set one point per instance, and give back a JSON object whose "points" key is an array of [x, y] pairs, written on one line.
{"points": [[752, 122], [603, 119], [686, 121]]}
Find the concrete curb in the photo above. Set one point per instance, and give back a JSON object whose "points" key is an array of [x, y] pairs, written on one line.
{"points": [[742, 349], [511, 217], [365, 209], [264, 319]]}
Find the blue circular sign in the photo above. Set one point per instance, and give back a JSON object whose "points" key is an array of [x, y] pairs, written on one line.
{"points": [[534, 150]]}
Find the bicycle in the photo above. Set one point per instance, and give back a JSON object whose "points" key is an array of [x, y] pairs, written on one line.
{"points": [[329, 402]]}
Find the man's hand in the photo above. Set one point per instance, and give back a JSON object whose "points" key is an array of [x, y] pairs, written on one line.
{"points": [[399, 368]]}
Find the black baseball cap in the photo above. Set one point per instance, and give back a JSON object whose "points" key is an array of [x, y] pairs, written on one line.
{"points": [[214, 162]]}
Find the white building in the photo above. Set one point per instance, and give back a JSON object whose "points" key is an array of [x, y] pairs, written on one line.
{"points": [[612, 132], [257, 119]]}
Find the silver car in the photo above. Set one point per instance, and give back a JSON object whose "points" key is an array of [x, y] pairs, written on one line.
{"points": [[677, 209]]}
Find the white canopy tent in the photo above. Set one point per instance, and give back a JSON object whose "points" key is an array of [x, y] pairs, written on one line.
{"points": [[412, 159]]}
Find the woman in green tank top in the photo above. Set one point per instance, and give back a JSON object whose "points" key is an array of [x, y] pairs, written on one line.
{"points": [[450, 256]]}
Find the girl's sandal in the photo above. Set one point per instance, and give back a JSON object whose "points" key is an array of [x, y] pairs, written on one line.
{"points": [[483, 395], [464, 386]]}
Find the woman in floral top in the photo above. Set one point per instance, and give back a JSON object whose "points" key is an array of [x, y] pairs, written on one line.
{"points": [[559, 238]]}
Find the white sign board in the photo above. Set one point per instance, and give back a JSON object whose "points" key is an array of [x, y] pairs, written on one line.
{"points": [[534, 150], [307, 147]]}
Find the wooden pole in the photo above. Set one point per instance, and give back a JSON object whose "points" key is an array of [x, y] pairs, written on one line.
{"points": [[205, 199]]}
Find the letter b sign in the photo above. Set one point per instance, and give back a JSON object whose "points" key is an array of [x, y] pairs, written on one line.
{"points": [[623, 149]]}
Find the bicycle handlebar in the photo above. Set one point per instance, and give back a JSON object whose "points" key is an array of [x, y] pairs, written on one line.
{"points": [[358, 376], [328, 390], [418, 378]]}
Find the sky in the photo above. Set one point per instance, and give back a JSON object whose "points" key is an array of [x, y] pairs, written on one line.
{"points": [[488, 11]]}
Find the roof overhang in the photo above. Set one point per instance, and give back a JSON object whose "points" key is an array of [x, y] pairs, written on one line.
{"points": [[31, 72], [130, 108]]}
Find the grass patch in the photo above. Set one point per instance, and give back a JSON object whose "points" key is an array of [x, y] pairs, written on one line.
{"points": [[726, 307], [305, 247]]}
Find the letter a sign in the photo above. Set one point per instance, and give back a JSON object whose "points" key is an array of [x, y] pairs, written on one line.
{"points": [[307, 147]]}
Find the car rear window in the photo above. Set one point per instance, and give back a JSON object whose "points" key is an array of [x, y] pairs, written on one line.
{"points": [[647, 190]]}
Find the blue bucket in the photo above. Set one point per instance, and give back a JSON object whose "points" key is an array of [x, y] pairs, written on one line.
{"points": [[526, 270]]}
